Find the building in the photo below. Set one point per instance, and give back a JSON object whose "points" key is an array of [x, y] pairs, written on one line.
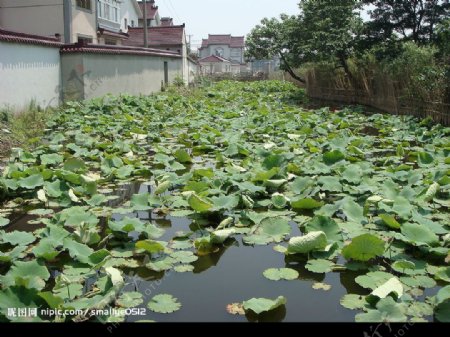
{"points": [[225, 47], [168, 38], [73, 20], [153, 18], [130, 12], [214, 64]]}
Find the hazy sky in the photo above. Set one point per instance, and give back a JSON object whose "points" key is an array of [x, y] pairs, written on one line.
{"points": [[236, 17]]}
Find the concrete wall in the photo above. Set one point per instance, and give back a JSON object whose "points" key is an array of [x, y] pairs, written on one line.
{"points": [[29, 72], [86, 76], [192, 71], [24, 16]]}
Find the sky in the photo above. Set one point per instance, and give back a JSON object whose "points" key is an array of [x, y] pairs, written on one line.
{"points": [[236, 17]]}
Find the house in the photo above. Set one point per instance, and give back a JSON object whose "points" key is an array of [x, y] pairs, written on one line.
{"points": [[225, 46], [130, 12], [169, 38], [73, 20], [153, 18], [214, 64]]}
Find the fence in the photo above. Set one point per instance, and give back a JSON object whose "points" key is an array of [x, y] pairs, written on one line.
{"points": [[381, 93]]}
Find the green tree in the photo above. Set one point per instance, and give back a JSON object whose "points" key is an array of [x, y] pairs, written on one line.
{"points": [[414, 20], [325, 30], [275, 37]]}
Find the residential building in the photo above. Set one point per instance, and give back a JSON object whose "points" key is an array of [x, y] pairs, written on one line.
{"points": [[130, 12], [153, 18], [214, 64], [73, 20], [226, 46], [169, 38]]}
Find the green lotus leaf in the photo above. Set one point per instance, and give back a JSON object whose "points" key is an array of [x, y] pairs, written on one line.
{"points": [[198, 204], [373, 280], [150, 246], [364, 248], [390, 221], [277, 274], [260, 305], [17, 238], [31, 182], [164, 304], [130, 300], [353, 302], [3, 222], [182, 156], [319, 266], [326, 225], [419, 235], [387, 311], [307, 243], [306, 203], [333, 157]]}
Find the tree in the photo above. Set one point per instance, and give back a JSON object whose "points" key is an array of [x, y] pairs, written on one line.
{"points": [[414, 20], [325, 30], [330, 30], [275, 37]]}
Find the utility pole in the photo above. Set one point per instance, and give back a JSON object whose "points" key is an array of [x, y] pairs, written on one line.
{"points": [[145, 25]]}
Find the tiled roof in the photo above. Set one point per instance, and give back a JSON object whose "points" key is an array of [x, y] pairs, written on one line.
{"points": [[157, 36], [152, 10], [107, 32], [213, 58], [232, 41], [118, 50], [10, 36]]}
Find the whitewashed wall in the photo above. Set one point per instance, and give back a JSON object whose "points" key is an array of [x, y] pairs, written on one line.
{"points": [[86, 76], [27, 73]]}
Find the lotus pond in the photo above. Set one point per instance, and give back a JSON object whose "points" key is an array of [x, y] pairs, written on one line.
{"points": [[231, 203]]}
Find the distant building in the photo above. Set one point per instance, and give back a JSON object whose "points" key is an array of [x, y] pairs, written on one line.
{"points": [[153, 18], [73, 20], [265, 66], [170, 37], [214, 64], [130, 12], [227, 47]]}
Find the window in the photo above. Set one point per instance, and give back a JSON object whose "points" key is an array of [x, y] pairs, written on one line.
{"points": [[132, 23], [109, 10], [125, 23], [86, 4], [84, 39]]}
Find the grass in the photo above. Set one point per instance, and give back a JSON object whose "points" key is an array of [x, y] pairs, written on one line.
{"points": [[22, 129]]}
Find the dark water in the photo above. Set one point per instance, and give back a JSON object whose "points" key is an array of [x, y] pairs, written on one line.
{"points": [[234, 274]]}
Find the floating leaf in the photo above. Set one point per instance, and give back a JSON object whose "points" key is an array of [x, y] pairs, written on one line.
{"points": [[184, 268], [150, 246], [275, 274], [32, 181], [443, 274], [130, 300], [260, 305], [319, 266], [17, 238], [276, 228], [373, 280], [392, 287], [164, 304], [3, 222], [364, 247], [401, 266], [353, 302]]}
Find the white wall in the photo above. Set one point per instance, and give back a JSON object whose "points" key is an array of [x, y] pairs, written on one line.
{"points": [[28, 72], [128, 11], [115, 74]]}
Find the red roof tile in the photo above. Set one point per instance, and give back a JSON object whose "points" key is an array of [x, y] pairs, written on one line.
{"points": [[119, 50], [10, 36], [232, 41], [107, 32], [152, 10], [157, 36], [213, 58]]}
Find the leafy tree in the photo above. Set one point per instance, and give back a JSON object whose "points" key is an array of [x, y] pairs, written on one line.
{"points": [[325, 30], [414, 20], [275, 37]]}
